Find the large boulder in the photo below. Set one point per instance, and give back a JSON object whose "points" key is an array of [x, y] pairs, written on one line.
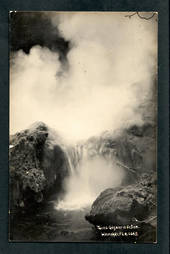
{"points": [[38, 166], [133, 204]]}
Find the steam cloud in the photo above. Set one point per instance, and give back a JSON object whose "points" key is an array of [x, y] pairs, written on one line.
{"points": [[109, 72], [93, 177]]}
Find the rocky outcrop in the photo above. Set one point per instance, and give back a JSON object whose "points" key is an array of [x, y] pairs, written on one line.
{"points": [[38, 165], [134, 204], [133, 148]]}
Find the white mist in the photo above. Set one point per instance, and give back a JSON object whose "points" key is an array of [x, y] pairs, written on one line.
{"points": [[86, 182]]}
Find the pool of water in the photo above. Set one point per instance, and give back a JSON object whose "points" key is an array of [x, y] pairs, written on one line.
{"points": [[53, 225]]}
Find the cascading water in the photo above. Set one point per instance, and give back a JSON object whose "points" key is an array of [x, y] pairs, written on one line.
{"points": [[90, 175], [74, 156]]}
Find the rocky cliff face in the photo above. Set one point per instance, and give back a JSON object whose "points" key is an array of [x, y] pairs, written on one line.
{"points": [[134, 149], [38, 165], [39, 160], [133, 204]]}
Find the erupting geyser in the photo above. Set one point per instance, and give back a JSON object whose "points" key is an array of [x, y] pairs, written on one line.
{"points": [[89, 178]]}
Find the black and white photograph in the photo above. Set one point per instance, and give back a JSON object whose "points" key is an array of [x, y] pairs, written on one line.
{"points": [[83, 126]]}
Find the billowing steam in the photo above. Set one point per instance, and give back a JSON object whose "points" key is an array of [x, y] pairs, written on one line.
{"points": [[87, 182], [96, 82], [110, 70]]}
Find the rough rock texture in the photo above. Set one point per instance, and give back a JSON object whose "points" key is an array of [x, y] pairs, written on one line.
{"points": [[133, 148], [38, 165], [133, 204]]}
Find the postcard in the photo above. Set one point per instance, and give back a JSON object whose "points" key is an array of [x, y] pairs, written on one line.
{"points": [[83, 126]]}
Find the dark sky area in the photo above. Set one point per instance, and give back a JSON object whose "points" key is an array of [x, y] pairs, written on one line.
{"points": [[28, 29]]}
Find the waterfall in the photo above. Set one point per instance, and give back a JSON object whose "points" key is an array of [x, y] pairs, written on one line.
{"points": [[90, 174], [70, 164], [74, 156]]}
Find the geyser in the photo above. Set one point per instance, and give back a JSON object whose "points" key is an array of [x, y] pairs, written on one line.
{"points": [[89, 178], [112, 65]]}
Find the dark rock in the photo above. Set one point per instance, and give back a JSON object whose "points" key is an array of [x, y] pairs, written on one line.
{"points": [[133, 204], [133, 148], [38, 165], [146, 130]]}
